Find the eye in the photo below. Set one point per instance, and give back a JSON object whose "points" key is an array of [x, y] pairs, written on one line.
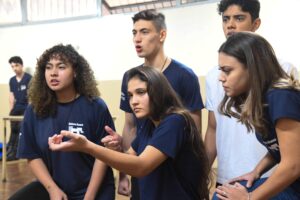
{"points": [[141, 91], [240, 18], [62, 66], [225, 70], [129, 95], [145, 32], [48, 67], [225, 19]]}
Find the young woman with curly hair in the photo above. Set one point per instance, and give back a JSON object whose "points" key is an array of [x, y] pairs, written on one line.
{"points": [[168, 158], [63, 96]]}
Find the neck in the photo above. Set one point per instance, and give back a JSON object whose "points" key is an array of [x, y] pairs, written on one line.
{"points": [[156, 123], [20, 75], [160, 62], [65, 97]]}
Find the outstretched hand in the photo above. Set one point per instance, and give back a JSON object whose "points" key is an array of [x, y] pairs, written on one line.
{"points": [[76, 142], [113, 140]]}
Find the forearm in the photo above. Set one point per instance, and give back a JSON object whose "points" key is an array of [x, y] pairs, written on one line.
{"points": [[41, 172], [210, 146], [281, 178], [11, 101], [128, 136], [210, 140], [98, 174], [129, 164]]}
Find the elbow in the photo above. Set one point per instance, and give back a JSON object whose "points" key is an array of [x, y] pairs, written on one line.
{"points": [[297, 170], [293, 169]]}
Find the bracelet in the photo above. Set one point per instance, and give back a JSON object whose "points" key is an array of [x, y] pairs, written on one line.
{"points": [[249, 196]]}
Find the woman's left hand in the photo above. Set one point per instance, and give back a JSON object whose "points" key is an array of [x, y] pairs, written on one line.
{"points": [[234, 192]]}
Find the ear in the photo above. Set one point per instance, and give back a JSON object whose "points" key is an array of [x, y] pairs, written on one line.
{"points": [[162, 35], [256, 24]]}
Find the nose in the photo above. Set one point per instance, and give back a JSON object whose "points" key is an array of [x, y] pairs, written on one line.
{"points": [[133, 100], [231, 24], [222, 77], [53, 71], [137, 38]]}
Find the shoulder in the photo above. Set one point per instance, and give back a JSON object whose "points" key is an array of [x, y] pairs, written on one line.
{"points": [[284, 97], [12, 79], [95, 101], [28, 75], [174, 119], [180, 68], [283, 93], [283, 103]]}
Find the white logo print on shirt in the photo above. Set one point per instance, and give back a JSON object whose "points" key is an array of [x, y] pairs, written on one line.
{"points": [[76, 128]]}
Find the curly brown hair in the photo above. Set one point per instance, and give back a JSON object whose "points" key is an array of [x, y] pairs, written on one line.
{"points": [[42, 98]]}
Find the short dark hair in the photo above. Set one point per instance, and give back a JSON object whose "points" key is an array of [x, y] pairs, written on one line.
{"points": [[15, 59], [250, 6], [157, 18]]}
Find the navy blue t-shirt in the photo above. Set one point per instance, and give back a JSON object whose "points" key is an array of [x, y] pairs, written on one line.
{"points": [[182, 79], [19, 89], [71, 171], [281, 103], [178, 176]]}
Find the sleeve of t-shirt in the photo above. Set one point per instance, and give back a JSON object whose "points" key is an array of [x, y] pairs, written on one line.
{"points": [[169, 136], [284, 103], [104, 119], [27, 147], [191, 95], [124, 101]]}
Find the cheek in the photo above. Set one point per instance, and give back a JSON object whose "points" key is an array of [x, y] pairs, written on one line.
{"points": [[241, 84]]}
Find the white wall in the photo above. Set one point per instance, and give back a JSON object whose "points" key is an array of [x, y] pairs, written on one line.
{"points": [[194, 35]]}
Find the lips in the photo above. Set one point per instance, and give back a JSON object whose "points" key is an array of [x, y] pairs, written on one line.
{"points": [[54, 82], [230, 33], [136, 110], [138, 48], [225, 88]]}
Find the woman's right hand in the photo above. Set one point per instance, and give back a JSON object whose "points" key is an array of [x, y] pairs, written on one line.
{"points": [[249, 177], [113, 140], [57, 194]]}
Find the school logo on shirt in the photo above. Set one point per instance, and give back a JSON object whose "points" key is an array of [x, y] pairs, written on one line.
{"points": [[23, 87], [76, 128]]}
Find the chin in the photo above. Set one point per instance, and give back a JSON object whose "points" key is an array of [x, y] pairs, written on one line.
{"points": [[140, 116]]}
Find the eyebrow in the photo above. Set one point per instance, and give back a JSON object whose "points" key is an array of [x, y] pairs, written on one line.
{"points": [[238, 15]]}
